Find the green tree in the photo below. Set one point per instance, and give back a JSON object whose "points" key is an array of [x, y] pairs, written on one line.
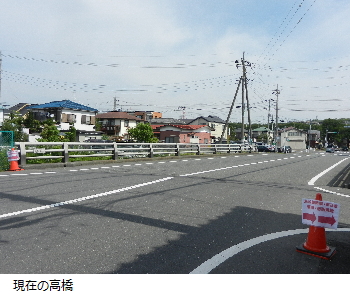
{"points": [[50, 133], [71, 135], [142, 133], [31, 123], [329, 126], [15, 124]]}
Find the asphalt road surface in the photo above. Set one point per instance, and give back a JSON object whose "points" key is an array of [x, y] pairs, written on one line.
{"points": [[223, 214]]}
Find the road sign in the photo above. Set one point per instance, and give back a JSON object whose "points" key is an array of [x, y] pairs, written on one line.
{"points": [[320, 213]]}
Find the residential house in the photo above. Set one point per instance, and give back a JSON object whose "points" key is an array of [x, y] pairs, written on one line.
{"points": [[197, 134], [215, 123], [146, 116], [167, 121], [264, 134], [20, 108], [293, 137], [66, 113], [117, 123]]}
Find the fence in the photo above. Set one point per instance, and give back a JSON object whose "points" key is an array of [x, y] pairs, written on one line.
{"points": [[6, 143], [40, 152]]}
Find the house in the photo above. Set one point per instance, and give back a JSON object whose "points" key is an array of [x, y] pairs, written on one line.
{"points": [[198, 134], [20, 108], [146, 116], [215, 123], [262, 132], [117, 123], [167, 121], [66, 113], [293, 137]]}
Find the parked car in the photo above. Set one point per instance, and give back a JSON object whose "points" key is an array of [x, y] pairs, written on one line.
{"points": [[285, 149], [265, 148], [345, 148], [330, 149]]}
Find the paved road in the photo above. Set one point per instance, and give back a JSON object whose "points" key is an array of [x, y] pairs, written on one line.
{"points": [[171, 216]]}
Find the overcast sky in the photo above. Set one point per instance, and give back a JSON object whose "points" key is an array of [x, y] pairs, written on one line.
{"points": [[178, 56]]}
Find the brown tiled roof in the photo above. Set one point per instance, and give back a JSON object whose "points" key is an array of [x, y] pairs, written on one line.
{"points": [[117, 115]]}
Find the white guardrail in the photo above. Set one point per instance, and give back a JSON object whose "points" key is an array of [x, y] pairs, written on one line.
{"points": [[72, 151]]}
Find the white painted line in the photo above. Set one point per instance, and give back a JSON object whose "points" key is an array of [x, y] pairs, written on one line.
{"points": [[115, 166], [36, 173], [105, 167], [4, 175], [138, 164], [18, 174], [84, 169], [73, 170], [172, 161], [331, 192], [210, 158], [94, 168], [149, 163], [221, 257], [80, 199], [313, 180], [126, 165], [50, 172], [161, 162]]}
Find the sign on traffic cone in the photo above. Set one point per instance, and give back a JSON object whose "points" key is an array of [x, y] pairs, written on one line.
{"points": [[315, 243]]}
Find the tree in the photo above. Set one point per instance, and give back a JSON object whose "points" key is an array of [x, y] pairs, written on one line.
{"points": [[142, 133], [15, 124], [334, 130]]}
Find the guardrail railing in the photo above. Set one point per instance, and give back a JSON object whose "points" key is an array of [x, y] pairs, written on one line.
{"points": [[39, 152]]}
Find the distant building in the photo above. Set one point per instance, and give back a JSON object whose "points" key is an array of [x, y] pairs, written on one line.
{"points": [[117, 123], [66, 113], [215, 123], [197, 134], [295, 138]]}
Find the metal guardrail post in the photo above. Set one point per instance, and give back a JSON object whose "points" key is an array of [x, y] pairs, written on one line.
{"points": [[215, 149], [177, 150], [150, 155], [65, 158], [115, 151], [22, 154]]}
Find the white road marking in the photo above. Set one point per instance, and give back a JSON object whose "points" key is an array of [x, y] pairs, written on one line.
{"points": [[83, 198], [221, 257], [313, 180]]}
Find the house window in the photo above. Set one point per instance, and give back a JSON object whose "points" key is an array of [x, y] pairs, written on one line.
{"points": [[294, 133], [85, 120], [126, 123], [68, 118]]}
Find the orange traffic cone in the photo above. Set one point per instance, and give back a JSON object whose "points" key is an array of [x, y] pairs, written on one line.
{"points": [[316, 244], [14, 166]]}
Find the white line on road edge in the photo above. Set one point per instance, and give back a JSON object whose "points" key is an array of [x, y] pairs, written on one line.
{"points": [[313, 180], [218, 259], [83, 198]]}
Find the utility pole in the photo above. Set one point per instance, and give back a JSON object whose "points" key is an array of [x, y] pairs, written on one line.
{"points": [[245, 64], [276, 92], [229, 114], [115, 104]]}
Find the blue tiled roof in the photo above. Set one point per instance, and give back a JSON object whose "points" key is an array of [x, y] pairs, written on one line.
{"points": [[63, 104]]}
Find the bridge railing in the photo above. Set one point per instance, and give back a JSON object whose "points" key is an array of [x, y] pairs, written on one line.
{"points": [[41, 152]]}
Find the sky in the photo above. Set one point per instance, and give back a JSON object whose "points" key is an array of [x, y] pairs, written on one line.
{"points": [[178, 57]]}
